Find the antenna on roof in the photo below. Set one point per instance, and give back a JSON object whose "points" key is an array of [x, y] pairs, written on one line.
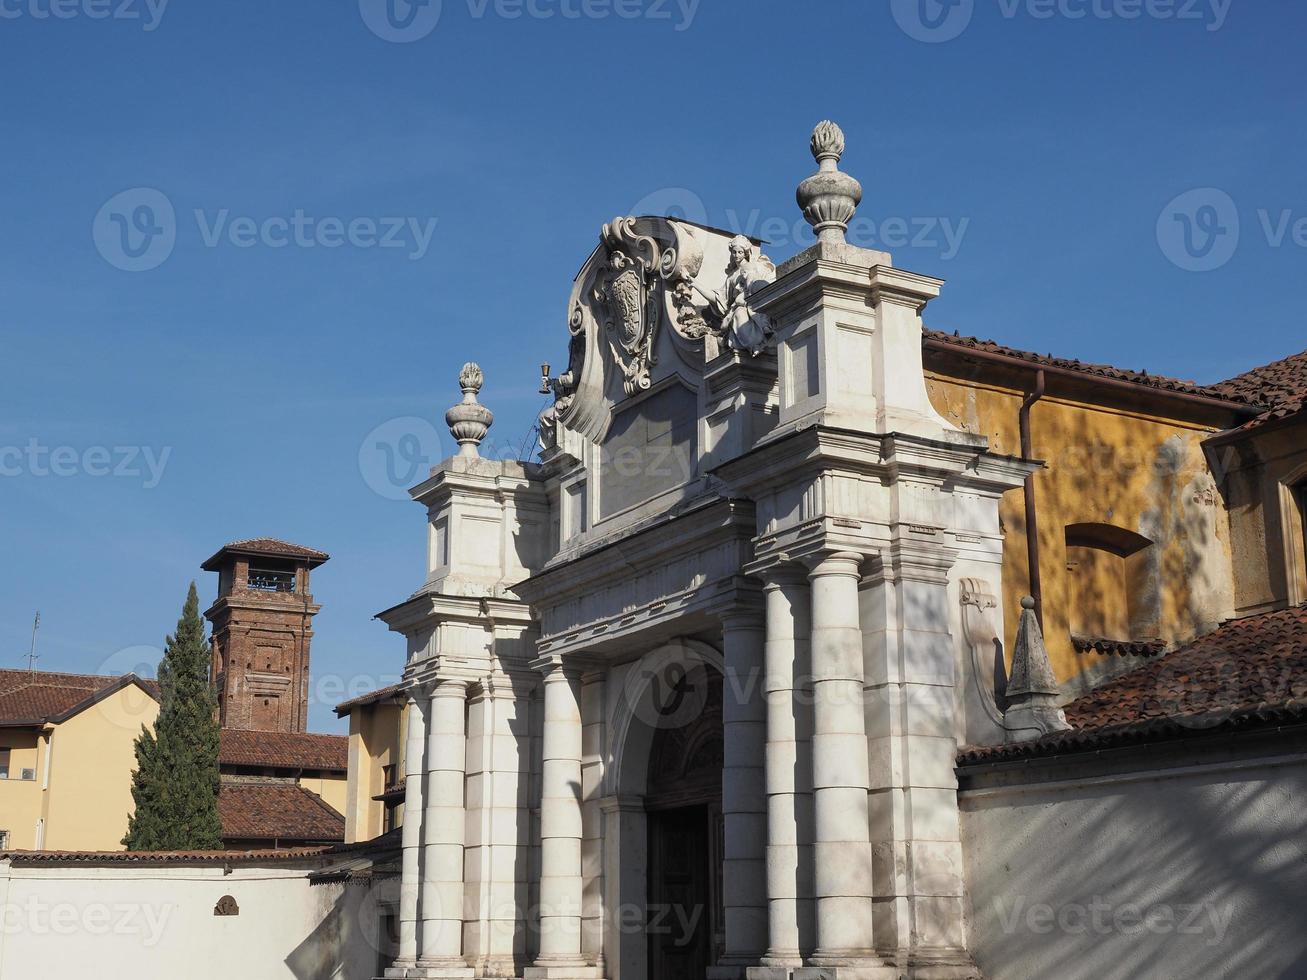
{"points": [[32, 655]]}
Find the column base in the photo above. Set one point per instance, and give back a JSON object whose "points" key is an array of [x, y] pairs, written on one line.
{"points": [[563, 973], [425, 971], [851, 972], [770, 972]]}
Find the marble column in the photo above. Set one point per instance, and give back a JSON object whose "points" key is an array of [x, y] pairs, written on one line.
{"points": [[841, 841], [443, 827], [415, 741], [788, 771], [744, 801], [920, 887], [498, 832], [560, 833]]}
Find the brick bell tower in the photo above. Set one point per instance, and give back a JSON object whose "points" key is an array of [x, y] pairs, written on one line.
{"points": [[262, 628]]}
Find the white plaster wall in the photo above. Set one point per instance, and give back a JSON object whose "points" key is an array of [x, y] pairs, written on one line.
{"points": [[145, 923], [1195, 874]]}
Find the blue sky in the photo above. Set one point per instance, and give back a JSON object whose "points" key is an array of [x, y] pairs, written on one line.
{"points": [[362, 199]]}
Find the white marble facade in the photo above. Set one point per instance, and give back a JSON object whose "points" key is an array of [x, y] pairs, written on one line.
{"points": [[749, 575]]}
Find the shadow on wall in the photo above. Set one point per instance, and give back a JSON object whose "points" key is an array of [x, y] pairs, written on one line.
{"points": [[1200, 876], [348, 943]]}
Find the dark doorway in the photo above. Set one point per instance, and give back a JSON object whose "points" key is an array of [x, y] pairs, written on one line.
{"points": [[683, 803], [680, 896]]}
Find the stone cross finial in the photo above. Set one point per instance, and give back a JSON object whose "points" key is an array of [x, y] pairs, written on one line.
{"points": [[829, 197], [469, 420], [1032, 689]]}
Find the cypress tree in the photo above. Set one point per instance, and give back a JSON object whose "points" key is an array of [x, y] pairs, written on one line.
{"points": [[175, 785]]}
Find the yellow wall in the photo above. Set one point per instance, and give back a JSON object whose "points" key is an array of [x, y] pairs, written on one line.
{"points": [[332, 789], [92, 758], [20, 799], [375, 741], [1142, 473]]}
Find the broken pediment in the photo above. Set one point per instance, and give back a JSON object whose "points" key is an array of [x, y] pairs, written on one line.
{"points": [[651, 303]]}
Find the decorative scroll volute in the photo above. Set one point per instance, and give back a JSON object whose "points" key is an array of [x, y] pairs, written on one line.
{"points": [[629, 300]]}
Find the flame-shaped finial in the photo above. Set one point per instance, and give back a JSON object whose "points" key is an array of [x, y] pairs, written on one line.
{"points": [[829, 197], [827, 141], [469, 421]]}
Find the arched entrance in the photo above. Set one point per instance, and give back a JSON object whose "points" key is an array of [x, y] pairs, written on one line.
{"points": [[665, 824], [684, 807]]}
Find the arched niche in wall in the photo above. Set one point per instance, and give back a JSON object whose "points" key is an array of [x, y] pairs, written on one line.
{"points": [[1115, 586]]}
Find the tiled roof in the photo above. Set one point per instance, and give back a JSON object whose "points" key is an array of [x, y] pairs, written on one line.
{"points": [[1250, 672], [37, 696], [283, 750], [276, 811], [1145, 378], [372, 697], [266, 546], [1281, 385], [164, 857]]}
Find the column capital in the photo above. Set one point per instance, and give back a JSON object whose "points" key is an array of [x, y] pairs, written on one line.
{"points": [[572, 666], [835, 563], [449, 687]]}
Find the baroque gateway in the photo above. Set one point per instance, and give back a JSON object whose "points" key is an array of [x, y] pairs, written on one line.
{"points": [[710, 656]]}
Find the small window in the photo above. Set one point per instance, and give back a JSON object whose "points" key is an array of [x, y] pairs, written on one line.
{"points": [[4, 763]]}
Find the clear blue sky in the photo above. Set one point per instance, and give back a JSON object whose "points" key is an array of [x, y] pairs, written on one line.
{"points": [[261, 365]]}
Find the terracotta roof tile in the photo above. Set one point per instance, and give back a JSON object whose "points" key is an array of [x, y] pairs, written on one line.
{"points": [[1281, 385], [251, 856], [283, 750], [372, 697], [276, 811], [36, 696], [1276, 384], [266, 546], [1146, 378], [1251, 671]]}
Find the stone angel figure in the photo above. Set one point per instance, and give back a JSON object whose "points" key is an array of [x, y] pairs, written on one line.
{"points": [[749, 270]]}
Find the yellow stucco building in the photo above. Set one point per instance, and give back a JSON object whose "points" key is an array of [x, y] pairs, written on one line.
{"points": [[66, 757]]}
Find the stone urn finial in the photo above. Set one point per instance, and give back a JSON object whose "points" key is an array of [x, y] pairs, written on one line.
{"points": [[469, 420], [829, 197]]}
